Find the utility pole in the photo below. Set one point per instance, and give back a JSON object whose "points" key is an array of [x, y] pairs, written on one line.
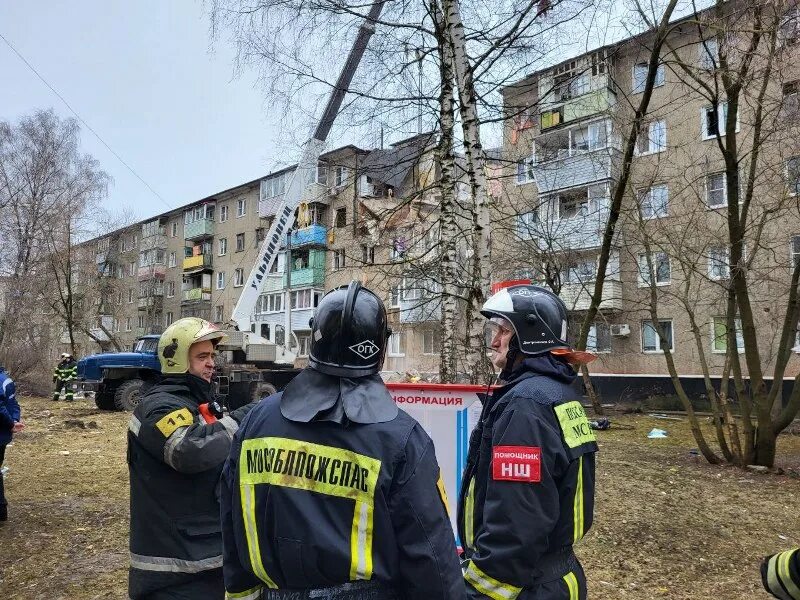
{"points": [[288, 323]]}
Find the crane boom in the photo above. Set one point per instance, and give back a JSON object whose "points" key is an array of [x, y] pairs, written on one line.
{"points": [[303, 175]]}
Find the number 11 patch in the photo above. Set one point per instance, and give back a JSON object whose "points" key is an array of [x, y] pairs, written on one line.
{"points": [[517, 463]]}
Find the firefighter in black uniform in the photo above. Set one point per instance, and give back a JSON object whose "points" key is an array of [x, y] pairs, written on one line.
{"points": [[176, 447], [528, 489], [780, 574], [330, 491], [65, 373]]}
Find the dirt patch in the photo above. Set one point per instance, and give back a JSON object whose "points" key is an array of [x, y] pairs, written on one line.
{"points": [[667, 525]]}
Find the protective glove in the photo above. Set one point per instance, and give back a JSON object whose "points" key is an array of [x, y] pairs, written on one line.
{"points": [[240, 413]]}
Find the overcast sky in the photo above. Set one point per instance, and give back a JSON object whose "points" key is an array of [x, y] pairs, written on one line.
{"points": [[141, 75]]}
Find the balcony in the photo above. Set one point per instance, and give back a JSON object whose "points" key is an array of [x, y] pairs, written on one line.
{"points": [[153, 241], [572, 169], [197, 263], [198, 228], [578, 296], [101, 258], [152, 272], [197, 295], [309, 276], [151, 302], [420, 310], [316, 235], [567, 111]]}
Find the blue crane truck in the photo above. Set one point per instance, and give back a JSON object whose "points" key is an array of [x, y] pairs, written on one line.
{"points": [[118, 379]]}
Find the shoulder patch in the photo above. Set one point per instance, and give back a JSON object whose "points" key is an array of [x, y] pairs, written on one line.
{"points": [[174, 420], [574, 424], [517, 463]]}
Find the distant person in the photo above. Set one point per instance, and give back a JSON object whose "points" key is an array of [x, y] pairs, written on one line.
{"points": [[780, 574], [177, 443], [10, 423], [66, 372], [331, 491], [528, 488]]}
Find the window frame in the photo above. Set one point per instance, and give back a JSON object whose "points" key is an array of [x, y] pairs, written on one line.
{"points": [[648, 193], [651, 125], [435, 340], [399, 351], [737, 323], [722, 110], [711, 259], [659, 81], [524, 171], [648, 323], [705, 59], [796, 186], [221, 279], [240, 247], [724, 190], [641, 281], [593, 333], [223, 213], [222, 246], [238, 277], [241, 208]]}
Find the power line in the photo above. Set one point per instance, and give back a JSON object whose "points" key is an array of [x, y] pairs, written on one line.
{"points": [[77, 116]]}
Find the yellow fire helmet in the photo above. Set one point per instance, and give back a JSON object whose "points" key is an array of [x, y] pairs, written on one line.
{"points": [[173, 346]]}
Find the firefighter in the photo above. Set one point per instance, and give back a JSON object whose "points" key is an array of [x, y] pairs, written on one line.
{"points": [[528, 488], [66, 372], [10, 423], [176, 447], [780, 574], [330, 490]]}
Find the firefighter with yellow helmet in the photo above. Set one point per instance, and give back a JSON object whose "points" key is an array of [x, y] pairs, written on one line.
{"points": [[176, 448]]}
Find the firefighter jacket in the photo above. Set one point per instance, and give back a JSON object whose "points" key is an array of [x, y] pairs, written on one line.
{"points": [[66, 370], [780, 574], [528, 489], [9, 408], [318, 504], [175, 459]]}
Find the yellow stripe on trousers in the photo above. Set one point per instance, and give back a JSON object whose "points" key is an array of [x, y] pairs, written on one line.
{"points": [[577, 507], [572, 584], [469, 507]]}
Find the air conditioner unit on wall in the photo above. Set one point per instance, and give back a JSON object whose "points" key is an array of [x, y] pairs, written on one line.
{"points": [[621, 330]]}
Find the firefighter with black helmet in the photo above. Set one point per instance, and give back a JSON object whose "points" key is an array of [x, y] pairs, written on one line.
{"points": [[65, 373], [176, 448], [527, 494], [330, 490]]}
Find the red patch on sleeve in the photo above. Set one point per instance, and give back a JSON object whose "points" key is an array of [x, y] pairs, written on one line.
{"points": [[517, 463]]}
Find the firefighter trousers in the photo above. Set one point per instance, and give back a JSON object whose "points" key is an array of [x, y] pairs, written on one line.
{"points": [[67, 387], [571, 586]]}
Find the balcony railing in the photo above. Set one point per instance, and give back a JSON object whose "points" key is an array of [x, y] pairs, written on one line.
{"points": [[576, 169], [582, 232], [201, 261], [198, 229], [314, 275], [420, 310], [154, 301], [311, 235], [153, 241], [586, 105], [152, 272], [578, 296], [197, 295]]}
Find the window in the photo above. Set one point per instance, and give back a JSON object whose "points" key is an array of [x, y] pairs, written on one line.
{"points": [[651, 341], [338, 259], [398, 249], [170, 289], [790, 27], [580, 272], [128, 324], [793, 175], [525, 170], [240, 242], [305, 343], [131, 269], [238, 278], [573, 204], [431, 342], [341, 175], [120, 272], [599, 339], [652, 138], [274, 186], [269, 303], [223, 213], [661, 268], [222, 245], [640, 77], [278, 264], [241, 207], [397, 345], [130, 295], [654, 202], [719, 334], [261, 233], [301, 259], [341, 217], [708, 54], [168, 318], [716, 191], [220, 280], [526, 224], [172, 259], [218, 313], [302, 299], [714, 118], [395, 293], [795, 249], [141, 321], [367, 254], [718, 263], [173, 230], [322, 174]]}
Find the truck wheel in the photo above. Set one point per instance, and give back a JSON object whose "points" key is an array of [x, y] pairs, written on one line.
{"points": [[262, 390], [104, 401], [128, 395]]}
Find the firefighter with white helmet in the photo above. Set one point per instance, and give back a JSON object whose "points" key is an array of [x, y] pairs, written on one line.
{"points": [[528, 488], [65, 373], [176, 449]]}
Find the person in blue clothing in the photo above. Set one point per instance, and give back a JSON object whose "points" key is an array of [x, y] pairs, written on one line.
{"points": [[330, 491], [10, 423], [528, 488]]}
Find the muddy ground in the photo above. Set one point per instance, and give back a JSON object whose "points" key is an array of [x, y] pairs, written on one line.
{"points": [[667, 525]]}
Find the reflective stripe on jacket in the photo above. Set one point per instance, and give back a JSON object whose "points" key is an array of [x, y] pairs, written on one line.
{"points": [[780, 574]]}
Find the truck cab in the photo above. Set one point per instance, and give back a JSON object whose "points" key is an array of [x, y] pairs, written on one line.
{"points": [[118, 379]]}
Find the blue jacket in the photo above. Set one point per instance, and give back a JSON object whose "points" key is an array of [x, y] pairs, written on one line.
{"points": [[9, 408]]}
